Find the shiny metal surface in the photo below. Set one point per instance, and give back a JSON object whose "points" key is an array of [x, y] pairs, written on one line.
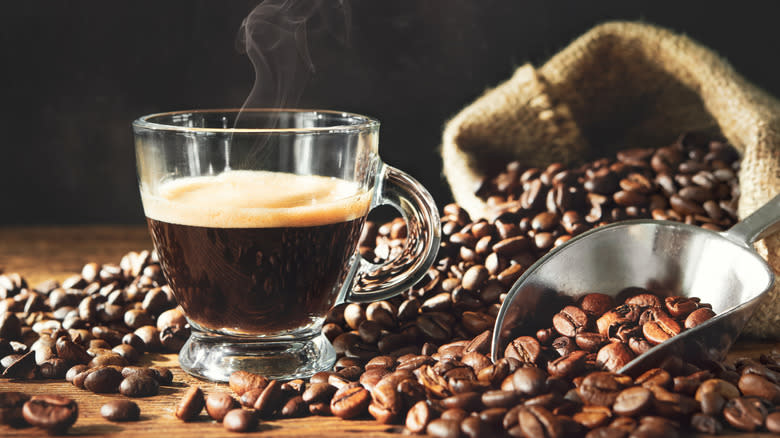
{"points": [[666, 257]]}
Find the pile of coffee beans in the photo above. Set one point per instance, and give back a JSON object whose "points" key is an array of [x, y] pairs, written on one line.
{"points": [[421, 359], [91, 329], [594, 335], [693, 180], [559, 382]]}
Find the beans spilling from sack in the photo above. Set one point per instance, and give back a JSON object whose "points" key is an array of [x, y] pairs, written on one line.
{"points": [[421, 360]]}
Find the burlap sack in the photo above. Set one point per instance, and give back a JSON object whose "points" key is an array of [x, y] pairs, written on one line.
{"points": [[621, 85]]}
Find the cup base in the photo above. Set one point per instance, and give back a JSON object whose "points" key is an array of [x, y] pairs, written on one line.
{"points": [[216, 358]]}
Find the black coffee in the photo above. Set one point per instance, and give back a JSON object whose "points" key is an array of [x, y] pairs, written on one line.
{"points": [[250, 252]]}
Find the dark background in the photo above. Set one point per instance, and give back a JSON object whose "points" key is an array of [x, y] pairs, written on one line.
{"points": [[74, 74]]}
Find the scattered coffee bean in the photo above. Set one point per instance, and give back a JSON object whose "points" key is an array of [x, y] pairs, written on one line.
{"points": [[240, 420], [139, 385], [53, 413], [120, 410], [218, 404], [349, 402], [103, 380], [191, 404], [242, 381]]}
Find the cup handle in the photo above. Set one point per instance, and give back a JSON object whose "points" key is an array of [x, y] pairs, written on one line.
{"points": [[378, 282]]}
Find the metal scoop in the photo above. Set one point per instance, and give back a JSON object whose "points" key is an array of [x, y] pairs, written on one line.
{"points": [[670, 258]]}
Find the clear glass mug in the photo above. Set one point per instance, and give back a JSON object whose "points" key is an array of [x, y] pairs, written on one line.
{"points": [[256, 217]]}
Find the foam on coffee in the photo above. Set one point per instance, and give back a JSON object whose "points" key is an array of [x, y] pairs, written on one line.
{"points": [[256, 199]]}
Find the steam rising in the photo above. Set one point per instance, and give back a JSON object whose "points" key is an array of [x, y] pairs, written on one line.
{"points": [[275, 37]]}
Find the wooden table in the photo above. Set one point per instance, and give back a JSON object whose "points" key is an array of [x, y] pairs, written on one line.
{"points": [[41, 253]]}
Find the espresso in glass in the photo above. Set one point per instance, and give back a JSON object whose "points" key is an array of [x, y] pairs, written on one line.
{"points": [[256, 253], [256, 215]]}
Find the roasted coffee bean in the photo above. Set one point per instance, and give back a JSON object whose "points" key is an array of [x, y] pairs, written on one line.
{"points": [[338, 381], [249, 398], [468, 401], [614, 356], [74, 371], [53, 413], [139, 385], [242, 381], [135, 370], [726, 389], [354, 314], [698, 317], [600, 388], [475, 277], [240, 420], [331, 331], [294, 407], [103, 380], [592, 417], [590, 341], [434, 328], [745, 414], [268, 400], [530, 381], [525, 349], [295, 386], [564, 345], [317, 392], [633, 401], [191, 404], [137, 318], [655, 376], [476, 361], [120, 410], [680, 306], [419, 416], [647, 300], [757, 386], [128, 352], [320, 377], [568, 366], [570, 321], [538, 421], [350, 402], [689, 384], [442, 428], [108, 358], [494, 374], [150, 336], [672, 404], [500, 399]]}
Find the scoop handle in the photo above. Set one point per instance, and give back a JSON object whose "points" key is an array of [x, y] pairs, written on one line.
{"points": [[761, 223]]}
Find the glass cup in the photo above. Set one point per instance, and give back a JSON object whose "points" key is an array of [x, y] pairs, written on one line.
{"points": [[256, 217]]}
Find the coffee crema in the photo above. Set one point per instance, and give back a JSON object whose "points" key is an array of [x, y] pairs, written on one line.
{"points": [[256, 199], [256, 252]]}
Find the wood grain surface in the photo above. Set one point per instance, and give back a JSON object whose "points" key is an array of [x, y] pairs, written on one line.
{"points": [[41, 253]]}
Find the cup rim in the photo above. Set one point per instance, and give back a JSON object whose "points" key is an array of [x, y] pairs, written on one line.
{"points": [[364, 122]]}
